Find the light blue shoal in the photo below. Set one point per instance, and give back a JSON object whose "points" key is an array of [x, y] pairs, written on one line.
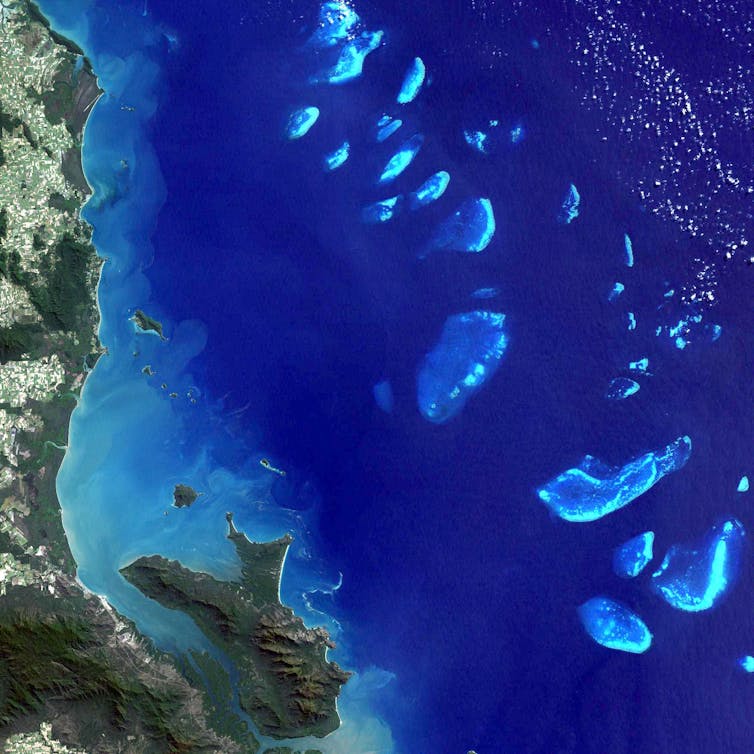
{"points": [[593, 489], [628, 249], [694, 578], [615, 626], [465, 357], [633, 556], [431, 190], [387, 127], [301, 121], [350, 63], [569, 210], [469, 229], [337, 158], [382, 211], [412, 83], [618, 288], [401, 159], [621, 388]]}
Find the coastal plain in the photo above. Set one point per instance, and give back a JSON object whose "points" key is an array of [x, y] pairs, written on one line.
{"points": [[76, 676]]}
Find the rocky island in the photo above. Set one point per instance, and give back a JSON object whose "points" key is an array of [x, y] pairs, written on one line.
{"points": [[146, 324], [74, 675], [184, 496], [286, 683]]}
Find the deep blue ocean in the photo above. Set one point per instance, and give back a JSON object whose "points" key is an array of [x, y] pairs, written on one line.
{"points": [[451, 590]]}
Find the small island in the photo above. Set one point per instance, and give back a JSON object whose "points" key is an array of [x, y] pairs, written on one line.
{"points": [[286, 683], [264, 463], [147, 324], [184, 496]]}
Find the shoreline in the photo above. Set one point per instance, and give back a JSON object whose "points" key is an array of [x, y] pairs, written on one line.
{"points": [[72, 657], [85, 391]]}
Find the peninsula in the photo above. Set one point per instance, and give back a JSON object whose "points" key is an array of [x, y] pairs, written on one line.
{"points": [[286, 683]]}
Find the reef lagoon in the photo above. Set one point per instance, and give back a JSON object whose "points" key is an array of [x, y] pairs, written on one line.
{"points": [[304, 349]]}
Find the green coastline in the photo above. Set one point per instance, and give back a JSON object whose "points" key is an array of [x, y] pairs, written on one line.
{"points": [[73, 672], [287, 685]]}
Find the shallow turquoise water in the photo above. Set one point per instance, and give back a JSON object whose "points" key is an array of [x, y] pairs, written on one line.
{"points": [[130, 443]]}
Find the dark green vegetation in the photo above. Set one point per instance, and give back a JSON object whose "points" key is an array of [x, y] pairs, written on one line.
{"points": [[61, 286], [59, 661], [58, 102], [62, 297], [286, 684], [43, 526], [37, 16], [205, 672], [59, 202], [74, 171], [33, 645], [9, 123], [10, 267], [184, 496], [145, 323], [17, 340]]}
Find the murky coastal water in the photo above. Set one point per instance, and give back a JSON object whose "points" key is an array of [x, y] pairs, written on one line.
{"points": [[130, 443], [425, 325]]}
